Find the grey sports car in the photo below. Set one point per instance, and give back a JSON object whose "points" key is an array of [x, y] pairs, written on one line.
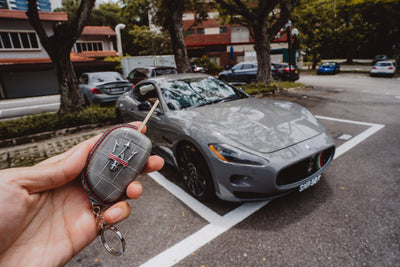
{"points": [[227, 143]]}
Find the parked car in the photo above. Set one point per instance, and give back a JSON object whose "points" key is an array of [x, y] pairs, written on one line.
{"points": [[138, 74], [227, 143], [281, 71], [102, 87], [379, 58], [383, 68], [328, 68], [197, 68], [244, 72]]}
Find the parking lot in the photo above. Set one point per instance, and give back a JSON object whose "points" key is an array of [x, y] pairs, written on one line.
{"points": [[350, 217]]}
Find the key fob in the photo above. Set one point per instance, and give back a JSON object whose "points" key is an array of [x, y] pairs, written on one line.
{"points": [[113, 163]]}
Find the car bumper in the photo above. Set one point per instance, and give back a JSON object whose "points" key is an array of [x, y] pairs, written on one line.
{"points": [[102, 99], [235, 182]]}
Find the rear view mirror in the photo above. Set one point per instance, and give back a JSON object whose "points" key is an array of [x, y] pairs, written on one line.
{"points": [[144, 92]]}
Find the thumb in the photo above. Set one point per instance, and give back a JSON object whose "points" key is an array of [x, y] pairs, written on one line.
{"points": [[44, 177]]}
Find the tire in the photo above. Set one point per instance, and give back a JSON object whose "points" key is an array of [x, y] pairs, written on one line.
{"points": [[195, 172]]}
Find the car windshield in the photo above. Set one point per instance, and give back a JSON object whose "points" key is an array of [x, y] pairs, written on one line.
{"points": [[165, 71], [180, 94], [107, 77], [383, 64], [328, 65]]}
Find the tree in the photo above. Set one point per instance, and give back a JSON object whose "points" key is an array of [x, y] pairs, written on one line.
{"points": [[315, 20], [169, 13], [59, 46], [264, 19], [348, 28], [148, 42]]}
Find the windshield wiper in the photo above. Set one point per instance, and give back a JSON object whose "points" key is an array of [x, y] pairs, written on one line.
{"points": [[228, 98]]}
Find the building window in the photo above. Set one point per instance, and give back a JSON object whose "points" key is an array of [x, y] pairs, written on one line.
{"points": [[223, 30], [200, 30], [88, 46], [240, 35], [18, 40], [190, 31]]}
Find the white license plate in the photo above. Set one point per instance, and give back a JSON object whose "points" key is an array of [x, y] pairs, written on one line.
{"points": [[115, 90], [309, 183]]}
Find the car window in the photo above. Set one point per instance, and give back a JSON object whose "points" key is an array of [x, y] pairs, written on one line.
{"points": [[84, 79], [106, 77], [180, 94], [158, 72], [383, 64], [142, 73], [237, 67]]}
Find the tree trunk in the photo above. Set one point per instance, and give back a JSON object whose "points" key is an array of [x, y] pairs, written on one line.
{"points": [[263, 50], [68, 85], [59, 46], [175, 28]]}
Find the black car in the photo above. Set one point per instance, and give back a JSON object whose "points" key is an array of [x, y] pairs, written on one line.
{"points": [[282, 71], [138, 74]]}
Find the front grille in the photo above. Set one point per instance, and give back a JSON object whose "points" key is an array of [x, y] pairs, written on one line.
{"points": [[305, 168]]}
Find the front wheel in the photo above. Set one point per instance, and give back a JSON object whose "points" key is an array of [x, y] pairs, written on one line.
{"points": [[195, 172]]}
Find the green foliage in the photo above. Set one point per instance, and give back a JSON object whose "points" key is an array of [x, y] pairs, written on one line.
{"points": [[347, 28], [53, 121], [260, 88], [148, 42]]}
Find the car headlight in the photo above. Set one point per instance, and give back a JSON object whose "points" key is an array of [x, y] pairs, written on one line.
{"points": [[232, 154]]}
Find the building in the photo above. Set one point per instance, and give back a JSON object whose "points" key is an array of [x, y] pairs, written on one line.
{"points": [[226, 44], [25, 67]]}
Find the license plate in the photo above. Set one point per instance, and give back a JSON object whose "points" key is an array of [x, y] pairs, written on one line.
{"points": [[309, 183], [119, 89]]}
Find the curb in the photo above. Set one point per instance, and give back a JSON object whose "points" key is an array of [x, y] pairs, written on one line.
{"points": [[48, 135]]}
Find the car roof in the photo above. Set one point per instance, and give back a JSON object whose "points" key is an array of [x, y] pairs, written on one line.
{"points": [[384, 61], [154, 67], [180, 76]]}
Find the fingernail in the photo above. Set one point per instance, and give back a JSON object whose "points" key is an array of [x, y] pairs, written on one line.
{"points": [[114, 214]]}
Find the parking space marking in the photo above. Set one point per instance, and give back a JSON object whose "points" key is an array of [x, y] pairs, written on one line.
{"points": [[201, 209], [374, 127], [206, 234], [220, 224]]}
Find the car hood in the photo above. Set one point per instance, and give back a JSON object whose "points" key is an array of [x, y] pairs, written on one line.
{"points": [[261, 125]]}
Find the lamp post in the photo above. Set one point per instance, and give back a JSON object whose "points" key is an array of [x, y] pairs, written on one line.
{"points": [[295, 33], [288, 25], [118, 29]]}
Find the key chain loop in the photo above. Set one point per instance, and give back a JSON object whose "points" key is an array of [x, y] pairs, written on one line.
{"points": [[110, 250], [103, 228]]}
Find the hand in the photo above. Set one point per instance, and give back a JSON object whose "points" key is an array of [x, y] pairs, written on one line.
{"points": [[46, 216]]}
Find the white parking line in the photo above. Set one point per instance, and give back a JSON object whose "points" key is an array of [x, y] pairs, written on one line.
{"points": [[357, 139], [220, 224], [201, 209]]}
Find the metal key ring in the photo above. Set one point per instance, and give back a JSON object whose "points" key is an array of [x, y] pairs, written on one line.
{"points": [[107, 246]]}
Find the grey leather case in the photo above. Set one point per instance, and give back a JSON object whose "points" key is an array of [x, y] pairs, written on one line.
{"points": [[113, 163]]}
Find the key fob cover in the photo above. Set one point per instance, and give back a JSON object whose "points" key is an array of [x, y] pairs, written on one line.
{"points": [[113, 163]]}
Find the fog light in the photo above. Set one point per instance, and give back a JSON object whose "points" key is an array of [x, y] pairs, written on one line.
{"points": [[240, 180]]}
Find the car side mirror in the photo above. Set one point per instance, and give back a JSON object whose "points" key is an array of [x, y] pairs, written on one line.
{"points": [[144, 106]]}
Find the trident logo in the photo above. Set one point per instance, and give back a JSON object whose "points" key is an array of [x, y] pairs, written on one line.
{"points": [[120, 158]]}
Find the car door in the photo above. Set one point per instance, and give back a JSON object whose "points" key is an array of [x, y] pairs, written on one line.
{"points": [[159, 128]]}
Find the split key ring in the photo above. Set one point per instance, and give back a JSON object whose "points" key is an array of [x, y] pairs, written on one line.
{"points": [[115, 230]]}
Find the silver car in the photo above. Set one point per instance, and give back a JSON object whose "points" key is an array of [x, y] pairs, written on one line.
{"points": [[227, 143], [102, 87]]}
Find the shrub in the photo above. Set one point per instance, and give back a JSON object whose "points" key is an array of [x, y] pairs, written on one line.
{"points": [[52, 121]]}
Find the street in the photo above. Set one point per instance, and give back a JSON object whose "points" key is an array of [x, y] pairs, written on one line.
{"points": [[349, 218], [28, 106]]}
